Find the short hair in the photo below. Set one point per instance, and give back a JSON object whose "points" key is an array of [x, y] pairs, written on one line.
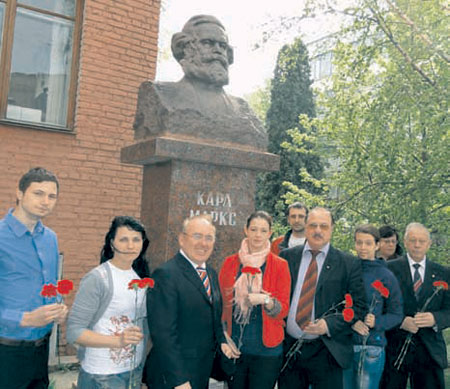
{"points": [[205, 216], [415, 225], [368, 229], [37, 174], [321, 209], [261, 215], [297, 205], [187, 35], [140, 265]]}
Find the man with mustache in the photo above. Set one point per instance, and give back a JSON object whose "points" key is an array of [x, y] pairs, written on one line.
{"points": [[28, 259], [197, 105], [321, 277]]}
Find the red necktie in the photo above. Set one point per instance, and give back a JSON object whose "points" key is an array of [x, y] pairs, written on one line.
{"points": [[306, 300], [204, 277], [417, 280]]}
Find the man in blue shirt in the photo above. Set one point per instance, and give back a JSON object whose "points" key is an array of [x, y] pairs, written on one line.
{"points": [[28, 260]]}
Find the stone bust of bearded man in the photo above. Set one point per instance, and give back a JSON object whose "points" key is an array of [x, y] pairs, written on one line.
{"points": [[197, 107]]}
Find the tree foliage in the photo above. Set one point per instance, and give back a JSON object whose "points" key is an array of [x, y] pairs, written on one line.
{"points": [[290, 96], [384, 118]]}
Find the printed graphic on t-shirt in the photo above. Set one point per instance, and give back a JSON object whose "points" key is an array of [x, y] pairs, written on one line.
{"points": [[124, 354]]}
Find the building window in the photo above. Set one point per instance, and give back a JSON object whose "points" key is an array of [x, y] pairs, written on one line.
{"points": [[39, 50], [321, 66]]}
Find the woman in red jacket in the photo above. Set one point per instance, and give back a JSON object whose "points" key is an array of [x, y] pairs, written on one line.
{"points": [[255, 286]]}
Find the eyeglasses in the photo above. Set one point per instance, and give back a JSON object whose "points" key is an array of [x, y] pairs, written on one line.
{"points": [[198, 237], [389, 241]]}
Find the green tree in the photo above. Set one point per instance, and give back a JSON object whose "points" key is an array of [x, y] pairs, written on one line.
{"points": [[290, 96], [385, 118], [259, 101]]}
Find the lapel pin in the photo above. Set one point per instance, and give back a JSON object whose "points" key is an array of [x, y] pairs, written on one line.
{"points": [[433, 276], [328, 267]]}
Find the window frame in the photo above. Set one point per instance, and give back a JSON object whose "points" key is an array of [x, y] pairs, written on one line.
{"points": [[7, 40]]}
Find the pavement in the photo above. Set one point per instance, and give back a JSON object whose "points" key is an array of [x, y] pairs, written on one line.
{"points": [[64, 375]]}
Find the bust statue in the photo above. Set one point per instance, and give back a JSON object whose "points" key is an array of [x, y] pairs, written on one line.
{"points": [[197, 107]]}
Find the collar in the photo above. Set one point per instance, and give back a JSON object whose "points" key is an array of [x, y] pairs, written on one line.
{"points": [[194, 265], [19, 228], [412, 262], [323, 250]]}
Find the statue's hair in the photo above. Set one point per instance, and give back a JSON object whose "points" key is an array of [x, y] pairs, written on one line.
{"points": [[187, 35]]}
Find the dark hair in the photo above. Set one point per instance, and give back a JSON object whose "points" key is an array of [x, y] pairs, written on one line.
{"points": [[388, 231], [140, 265], [368, 229], [36, 174], [259, 214], [297, 205]]}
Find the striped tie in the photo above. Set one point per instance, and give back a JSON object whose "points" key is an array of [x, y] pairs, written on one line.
{"points": [[417, 281], [204, 277], [306, 300]]}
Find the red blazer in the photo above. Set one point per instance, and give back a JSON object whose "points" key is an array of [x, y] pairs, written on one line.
{"points": [[276, 281], [274, 247]]}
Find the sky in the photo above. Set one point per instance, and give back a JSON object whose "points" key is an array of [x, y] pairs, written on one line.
{"points": [[243, 20]]}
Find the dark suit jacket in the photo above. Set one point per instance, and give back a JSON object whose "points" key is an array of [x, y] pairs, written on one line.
{"points": [[185, 326], [340, 274], [439, 306]]}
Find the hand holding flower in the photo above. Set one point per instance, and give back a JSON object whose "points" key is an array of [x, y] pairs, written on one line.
{"points": [[61, 318], [361, 328], [230, 352], [43, 315], [130, 335], [369, 320], [319, 327], [260, 299], [409, 325], [424, 319]]}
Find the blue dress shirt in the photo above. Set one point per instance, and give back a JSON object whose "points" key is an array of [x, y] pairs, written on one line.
{"points": [[27, 262]]}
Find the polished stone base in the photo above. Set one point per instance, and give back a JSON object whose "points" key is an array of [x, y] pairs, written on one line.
{"points": [[183, 178]]}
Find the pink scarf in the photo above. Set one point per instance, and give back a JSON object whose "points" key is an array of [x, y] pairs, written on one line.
{"points": [[246, 284]]}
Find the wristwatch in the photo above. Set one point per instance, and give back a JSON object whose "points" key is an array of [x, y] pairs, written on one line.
{"points": [[266, 300]]}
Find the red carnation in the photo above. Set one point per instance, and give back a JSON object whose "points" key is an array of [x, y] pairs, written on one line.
{"points": [[65, 287], [49, 290], [440, 285], [348, 300], [348, 314], [148, 282], [380, 288], [384, 292], [251, 270], [134, 284], [141, 283], [377, 284]]}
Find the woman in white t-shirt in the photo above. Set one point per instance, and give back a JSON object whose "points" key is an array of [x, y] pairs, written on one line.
{"points": [[107, 321]]}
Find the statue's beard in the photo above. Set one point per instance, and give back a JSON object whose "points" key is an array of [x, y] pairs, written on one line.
{"points": [[211, 70]]}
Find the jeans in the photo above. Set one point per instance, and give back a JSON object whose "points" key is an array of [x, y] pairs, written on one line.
{"points": [[109, 381], [372, 368]]}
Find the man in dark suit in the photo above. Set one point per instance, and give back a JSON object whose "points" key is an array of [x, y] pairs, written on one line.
{"points": [[427, 355], [327, 346], [184, 312]]}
